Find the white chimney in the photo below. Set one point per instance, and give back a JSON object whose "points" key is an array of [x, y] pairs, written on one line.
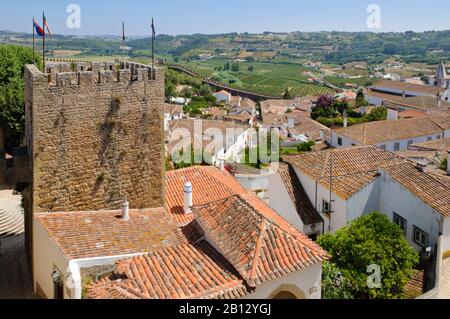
{"points": [[291, 122], [221, 161], [345, 118], [448, 163], [188, 201], [125, 210], [392, 114]]}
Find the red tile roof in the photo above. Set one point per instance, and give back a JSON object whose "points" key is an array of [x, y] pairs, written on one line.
{"points": [[104, 233], [353, 167], [258, 243], [178, 272], [209, 185]]}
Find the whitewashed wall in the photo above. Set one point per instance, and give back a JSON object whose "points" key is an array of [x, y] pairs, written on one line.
{"points": [[390, 145], [46, 255], [364, 201], [446, 235], [395, 198], [308, 281], [280, 201], [339, 205]]}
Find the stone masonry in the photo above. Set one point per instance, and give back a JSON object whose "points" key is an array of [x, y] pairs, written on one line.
{"points": [[95, 137]]}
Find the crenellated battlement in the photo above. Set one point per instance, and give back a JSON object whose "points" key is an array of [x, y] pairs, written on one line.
{"points": [[88, 73]]}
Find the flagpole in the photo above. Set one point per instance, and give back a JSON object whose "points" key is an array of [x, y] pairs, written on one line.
{"points": [[34, 47], [153, 48], [43, 42]]}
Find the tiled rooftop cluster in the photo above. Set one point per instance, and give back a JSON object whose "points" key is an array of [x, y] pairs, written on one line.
{"points": [[355, 167], [256, 245]]}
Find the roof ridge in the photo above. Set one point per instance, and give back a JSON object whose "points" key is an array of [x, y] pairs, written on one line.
{"points": [[255, 261]]}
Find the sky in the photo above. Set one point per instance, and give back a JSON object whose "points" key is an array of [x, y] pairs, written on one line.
{"points": [[100, 17]]}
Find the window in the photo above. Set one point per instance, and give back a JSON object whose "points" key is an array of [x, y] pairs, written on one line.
{"points": [[325, 207], [340, 141], [400, 221], [429, 139], [383, 147], [410, 143], [397, 147], [438, 137], [420, 237]]}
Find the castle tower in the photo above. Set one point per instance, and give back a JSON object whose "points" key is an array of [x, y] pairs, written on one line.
{"points": [[441, 75], [95, 137]]}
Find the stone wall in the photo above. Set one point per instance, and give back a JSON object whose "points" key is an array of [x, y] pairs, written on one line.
{"points": [[14, 169], [95, 136]]}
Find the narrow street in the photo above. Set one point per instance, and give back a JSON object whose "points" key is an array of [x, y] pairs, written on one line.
{"points": [[15, 279]]}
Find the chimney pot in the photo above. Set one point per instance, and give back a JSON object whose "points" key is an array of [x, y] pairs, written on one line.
{"points": [[125, 210], [188, 201]]}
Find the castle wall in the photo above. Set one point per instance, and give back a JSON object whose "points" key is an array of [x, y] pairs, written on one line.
{"points": [[95, 136]]}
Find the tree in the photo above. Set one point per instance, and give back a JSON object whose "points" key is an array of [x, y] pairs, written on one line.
{"points": [[372, 240], [443, 164], [204, 90], [341, 106], [306, 146], [235, 67], [12, 86], [361, 99], [226, 66], [334, 284], [251, 68], [287, 94]]}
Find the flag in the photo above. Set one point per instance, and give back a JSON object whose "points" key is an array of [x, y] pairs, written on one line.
{"points": [[48, 27], [153, 28], [38, 28]]}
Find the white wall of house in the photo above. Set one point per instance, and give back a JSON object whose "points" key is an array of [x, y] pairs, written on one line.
{"points": [[317, 194], [307, 281], [47, 257], [365, 201], [222, 97], [280, 201], [389, 145], [446, 235], [395, 198]]}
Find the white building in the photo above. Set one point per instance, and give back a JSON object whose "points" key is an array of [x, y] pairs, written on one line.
{"points": [[223, 96], [393, 135], [172, 113], [77, 253], [226, 140], [366, 179]]}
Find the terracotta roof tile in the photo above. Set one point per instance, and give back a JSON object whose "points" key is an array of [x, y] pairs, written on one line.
{"points": [[178, 272], [385, 131], [209, 185], [408, 87], [257, 242], [102, 233], [434, 191], [352, 168]]}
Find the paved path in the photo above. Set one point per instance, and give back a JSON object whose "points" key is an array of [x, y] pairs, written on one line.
{"points": [[15, 279], [445, 279]]}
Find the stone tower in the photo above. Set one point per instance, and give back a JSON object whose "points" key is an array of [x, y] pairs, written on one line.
{"points": [[95, 137]]}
